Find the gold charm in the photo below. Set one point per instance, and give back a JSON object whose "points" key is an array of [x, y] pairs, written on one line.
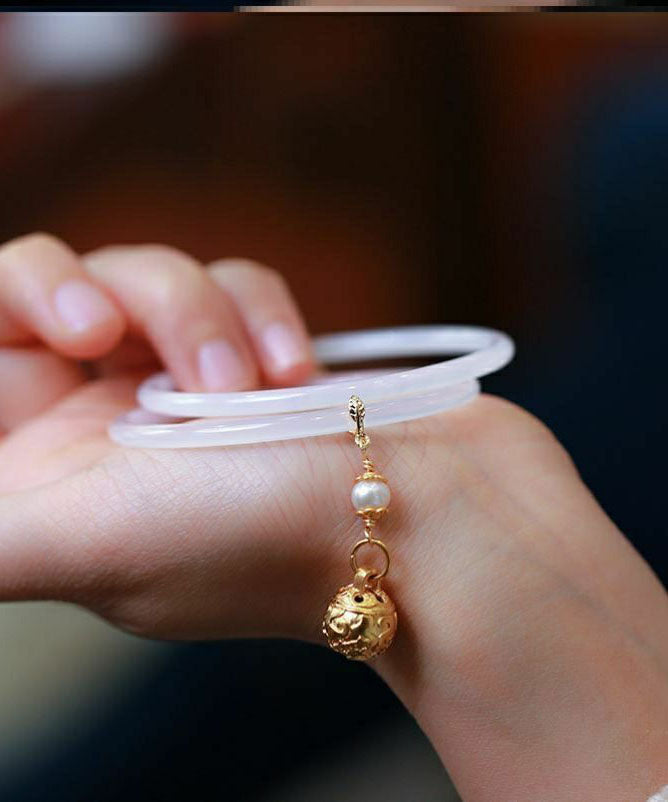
{"points": [[361, 619]]}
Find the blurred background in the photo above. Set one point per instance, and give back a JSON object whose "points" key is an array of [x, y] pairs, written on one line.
{"points": [[506, 170]]}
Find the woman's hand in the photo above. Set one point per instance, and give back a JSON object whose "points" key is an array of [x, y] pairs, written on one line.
{"points": [[532, 645]]}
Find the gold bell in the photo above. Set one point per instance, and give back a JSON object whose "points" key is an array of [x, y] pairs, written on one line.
{"points": [[360, 622]]}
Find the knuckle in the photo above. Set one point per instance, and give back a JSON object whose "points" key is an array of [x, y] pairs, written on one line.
{"points": [[271, 276], [171, 274], [105, 251], [250, 273], [36, 242], [158, 252]]}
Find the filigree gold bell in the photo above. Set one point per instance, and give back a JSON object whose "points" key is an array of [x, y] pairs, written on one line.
{"points": [[360, 623]]}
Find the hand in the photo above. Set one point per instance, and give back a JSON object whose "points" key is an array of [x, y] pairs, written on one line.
{"points": [[532, 642]]}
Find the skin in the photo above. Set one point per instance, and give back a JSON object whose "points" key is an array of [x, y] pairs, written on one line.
{"points": [[532, 645]]}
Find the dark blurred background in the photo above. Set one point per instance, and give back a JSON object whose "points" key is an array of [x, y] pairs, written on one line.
{"points": [[504, 169]]}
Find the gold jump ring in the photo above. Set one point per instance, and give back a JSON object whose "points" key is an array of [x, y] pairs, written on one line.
{"points": [[370, 542]]}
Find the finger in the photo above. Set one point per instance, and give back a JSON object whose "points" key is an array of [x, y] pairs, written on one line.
{"points": [[271, 316], [193, 325], [45, 293]]}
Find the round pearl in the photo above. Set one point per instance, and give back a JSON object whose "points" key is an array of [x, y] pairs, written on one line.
{"points": [[370, 493]]}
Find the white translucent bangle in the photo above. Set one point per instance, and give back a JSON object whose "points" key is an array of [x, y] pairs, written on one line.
{"points": [[321, 407], [660, 796]]}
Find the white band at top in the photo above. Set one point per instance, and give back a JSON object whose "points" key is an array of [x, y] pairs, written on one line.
{"points": [[321, 407]]}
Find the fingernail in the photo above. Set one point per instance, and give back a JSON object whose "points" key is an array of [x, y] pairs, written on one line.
{"points": [[283, 347], [220, 366], [81, 306]]}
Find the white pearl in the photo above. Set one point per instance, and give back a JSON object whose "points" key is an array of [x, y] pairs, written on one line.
{"points": [[370, 493]]}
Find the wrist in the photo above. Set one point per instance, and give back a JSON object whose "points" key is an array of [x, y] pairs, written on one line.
{"points": [[531, 656], [574, 709]]}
